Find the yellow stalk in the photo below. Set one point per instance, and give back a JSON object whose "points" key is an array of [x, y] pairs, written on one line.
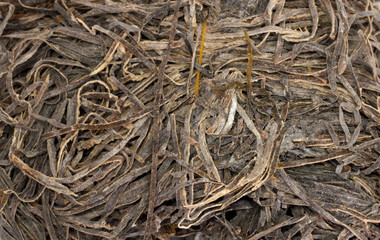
{"points": [[200, 57]]}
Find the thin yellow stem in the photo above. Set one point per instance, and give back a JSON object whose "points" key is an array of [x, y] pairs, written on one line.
{"points": [[200, 57]]}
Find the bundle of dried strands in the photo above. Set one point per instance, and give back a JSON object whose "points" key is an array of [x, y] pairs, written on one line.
{"points": [[191, 119]]}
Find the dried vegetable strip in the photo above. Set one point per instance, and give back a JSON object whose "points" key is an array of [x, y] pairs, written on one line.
{"points": [[104, 135]]}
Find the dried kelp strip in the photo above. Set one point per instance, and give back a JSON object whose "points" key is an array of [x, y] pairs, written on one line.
{"points": [[324, 214], [283, 224], [103, 133], [156, 125], [11, 9]]}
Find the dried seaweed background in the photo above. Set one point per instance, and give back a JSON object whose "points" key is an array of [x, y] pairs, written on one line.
{"points": [[102, 134]]}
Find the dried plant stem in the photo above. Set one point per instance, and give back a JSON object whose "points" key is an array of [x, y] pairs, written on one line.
{"points": [[200, 57], [249, 66]]}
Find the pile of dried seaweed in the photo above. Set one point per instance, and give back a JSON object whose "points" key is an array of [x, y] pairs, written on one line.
{"points": [[104, 134]]}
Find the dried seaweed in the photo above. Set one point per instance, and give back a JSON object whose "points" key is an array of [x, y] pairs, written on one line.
{"points": [[107, 133]]}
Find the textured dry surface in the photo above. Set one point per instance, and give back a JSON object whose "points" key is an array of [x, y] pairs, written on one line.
{"points": [[103, 137]]}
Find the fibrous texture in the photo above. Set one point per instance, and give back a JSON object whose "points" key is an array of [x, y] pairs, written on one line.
{"points": [[103, 134]]}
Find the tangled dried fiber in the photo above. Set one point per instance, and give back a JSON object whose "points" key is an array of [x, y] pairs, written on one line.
{"points": [[189, 119]]}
